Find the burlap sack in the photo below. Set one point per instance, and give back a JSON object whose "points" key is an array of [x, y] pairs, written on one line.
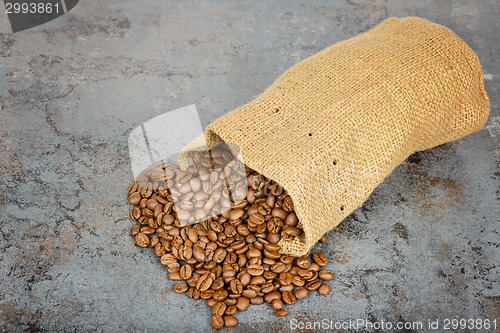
{"points": [[332, 127]]}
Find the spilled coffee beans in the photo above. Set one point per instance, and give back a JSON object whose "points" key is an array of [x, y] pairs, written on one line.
{"points": [[221, 242]]}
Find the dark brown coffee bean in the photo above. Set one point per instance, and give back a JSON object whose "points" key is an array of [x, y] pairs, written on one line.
{"points": [[217, 322], [253, 253], [219, 308], [280, 213], [281, 313], [181, 287], [273, 237], [313, 285], [288, 297], [285, 278], [242, 303], [231, 301], [230, 321], [325, 274], [324, 289], [186, 271], [218, 283], [320, 259], [142, 239], [272, 254], [255, 270], [298, 281], [278, 267], [204, 282]]}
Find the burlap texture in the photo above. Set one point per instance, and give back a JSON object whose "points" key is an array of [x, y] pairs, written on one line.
{"points": [[332, 127]]}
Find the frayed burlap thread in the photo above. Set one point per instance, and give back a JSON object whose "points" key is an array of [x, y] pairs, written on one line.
{"points": [[332, 127]]}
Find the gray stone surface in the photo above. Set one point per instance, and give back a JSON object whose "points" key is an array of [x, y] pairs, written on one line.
{"points": [[424, 246]]}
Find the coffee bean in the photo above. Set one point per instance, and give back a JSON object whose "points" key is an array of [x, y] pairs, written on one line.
{"points": [[186, 271], [281, 313], [255, 270], [325, 274], [324, 289], [230, 321], [231, 259], [181, 287], [230, 310], [142, 239], [301, 293], [217, 322], [242, 303], [320, 259], [313, 285], [257, 300], [288, 297], [204, 282], [219, 308]]}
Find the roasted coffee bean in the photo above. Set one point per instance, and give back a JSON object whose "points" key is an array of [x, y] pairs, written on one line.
{"points": [[186, 271], [242, 303], [324, 289], [313, 285], [217, 322], [204, 282], [301, 293], [325, 274], [281, 313], [219, 308], [257, 300], [288, 297], [255, 270], [142, 239], [231, 258], [320, 259], [230, 321], [181, 287], [277, 304]]}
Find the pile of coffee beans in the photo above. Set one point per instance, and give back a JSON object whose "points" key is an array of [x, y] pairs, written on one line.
{"points": [[216, 227]]}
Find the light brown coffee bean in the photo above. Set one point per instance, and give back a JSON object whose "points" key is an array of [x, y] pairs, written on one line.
{"points": [[257, 300], [277, 304], [301, 293], [255, 270], [181, 287], [134, 198], [219, 308], [303, 262], [285, 278], [231, 310], [249, 293], [174, 276], [324, 289], [272, 296], [217, 322], [211, 302], [142, 239], [281, 313], [135, 229], [242, 303], [230, 321], [204, 282], [199, 253], [186, 271], [325, 274], [236, 286], [220, 295], [314, 285], [320, 259], [288, 297]]}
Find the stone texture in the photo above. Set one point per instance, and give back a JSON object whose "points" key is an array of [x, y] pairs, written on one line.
{"points": [[424, 246]]}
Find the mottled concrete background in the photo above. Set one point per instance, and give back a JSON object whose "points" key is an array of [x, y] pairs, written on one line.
{"points": [[424, 246]]}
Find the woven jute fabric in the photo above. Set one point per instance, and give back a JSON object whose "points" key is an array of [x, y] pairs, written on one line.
{"points": [[332, 127]]}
